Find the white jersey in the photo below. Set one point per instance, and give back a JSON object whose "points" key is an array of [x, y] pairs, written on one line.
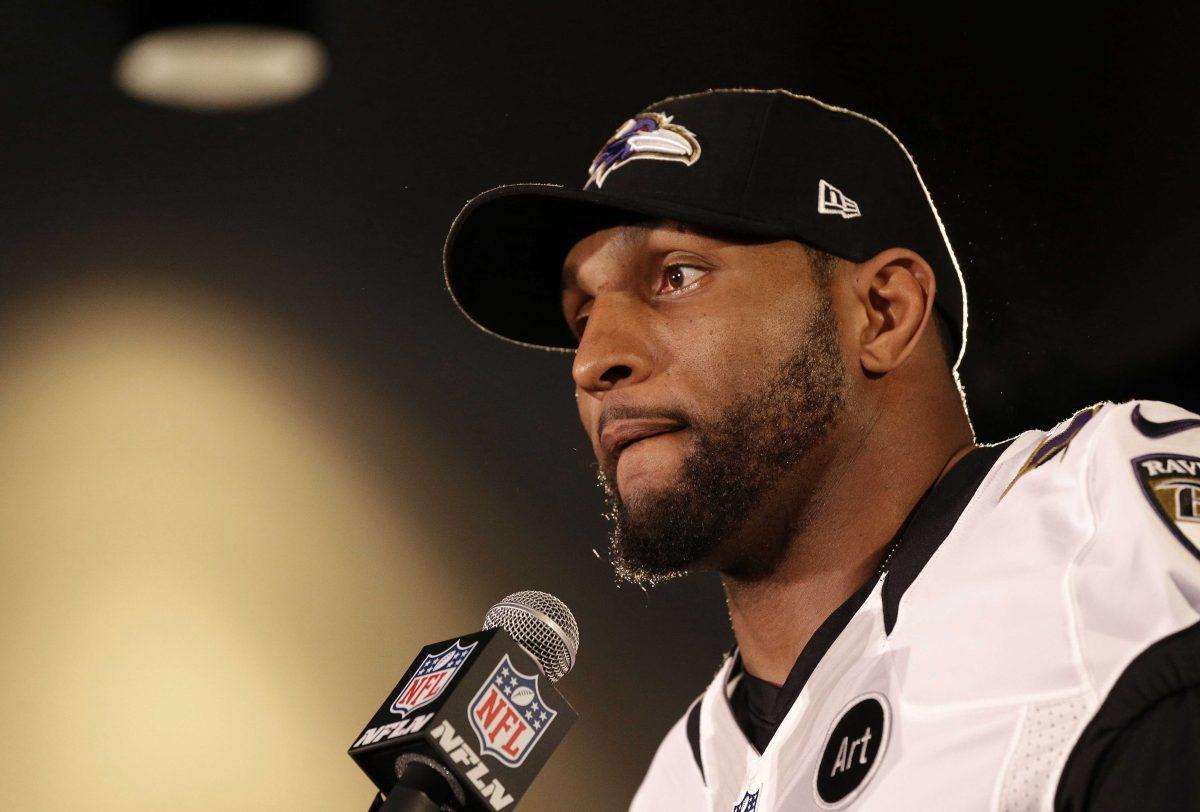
{"points": [[1025, 598]]}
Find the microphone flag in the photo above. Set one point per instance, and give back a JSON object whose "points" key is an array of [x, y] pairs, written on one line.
{"points": [[479, 705]]}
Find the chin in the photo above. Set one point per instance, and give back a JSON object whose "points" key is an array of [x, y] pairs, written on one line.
{"points": [[649, 465]]}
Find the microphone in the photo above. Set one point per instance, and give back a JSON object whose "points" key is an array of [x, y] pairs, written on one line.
{"points": [[474, 718]]}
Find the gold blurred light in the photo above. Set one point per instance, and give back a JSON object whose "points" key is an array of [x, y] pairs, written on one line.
{"points": [[221, 67], [213, 560]]}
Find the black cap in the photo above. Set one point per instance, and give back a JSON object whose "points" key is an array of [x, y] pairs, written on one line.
{"points": [[755, 163]]}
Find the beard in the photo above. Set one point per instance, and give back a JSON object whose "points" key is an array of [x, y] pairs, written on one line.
{"points": [[734, 460]]}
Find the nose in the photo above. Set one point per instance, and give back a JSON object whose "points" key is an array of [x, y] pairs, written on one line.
{"points": [[614, 350]]}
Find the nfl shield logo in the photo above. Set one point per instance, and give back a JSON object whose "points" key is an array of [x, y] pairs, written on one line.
{"points": [[749, 802], [431, 678], [508, 714]]}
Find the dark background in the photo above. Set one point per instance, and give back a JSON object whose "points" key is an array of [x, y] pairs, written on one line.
{"points": [[1060, 153]]}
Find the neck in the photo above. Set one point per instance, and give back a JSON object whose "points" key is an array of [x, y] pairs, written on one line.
{"points": [[839, 545]]}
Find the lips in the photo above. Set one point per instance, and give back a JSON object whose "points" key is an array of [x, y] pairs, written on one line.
{"points": [[620, 434]]}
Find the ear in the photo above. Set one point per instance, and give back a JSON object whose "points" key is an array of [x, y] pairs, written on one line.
{"points": [[894, 291]]}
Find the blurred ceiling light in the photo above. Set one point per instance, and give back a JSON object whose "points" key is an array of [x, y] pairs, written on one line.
{"points": [[220, 56]]}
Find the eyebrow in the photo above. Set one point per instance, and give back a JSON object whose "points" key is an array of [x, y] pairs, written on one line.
{"points": [[630, 236]]}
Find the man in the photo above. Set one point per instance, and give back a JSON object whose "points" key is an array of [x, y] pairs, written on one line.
{"points": [[767, 318]]}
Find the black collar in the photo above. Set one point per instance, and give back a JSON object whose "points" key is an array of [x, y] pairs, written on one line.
{"points": [[931, 521], [919, 536]]}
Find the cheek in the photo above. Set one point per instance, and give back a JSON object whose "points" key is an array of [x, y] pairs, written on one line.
{"points": [[715, 360]]}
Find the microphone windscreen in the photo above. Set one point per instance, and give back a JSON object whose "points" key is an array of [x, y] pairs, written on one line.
{"points": [[543, 625]]}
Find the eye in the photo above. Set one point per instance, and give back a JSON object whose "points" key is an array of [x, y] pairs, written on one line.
{"points": [[580, 321], [676, 278]]}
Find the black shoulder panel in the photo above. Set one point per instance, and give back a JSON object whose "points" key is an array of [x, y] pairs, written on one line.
{"points": [[1142, 747]]}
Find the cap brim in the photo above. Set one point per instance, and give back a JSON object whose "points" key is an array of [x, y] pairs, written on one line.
{"points": [[503, 256]]}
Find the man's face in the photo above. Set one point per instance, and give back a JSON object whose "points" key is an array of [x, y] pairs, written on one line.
{"points": [[708, 377]]}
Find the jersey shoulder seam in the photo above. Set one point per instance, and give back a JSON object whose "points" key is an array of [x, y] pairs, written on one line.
{"points": [[1106, 410]]}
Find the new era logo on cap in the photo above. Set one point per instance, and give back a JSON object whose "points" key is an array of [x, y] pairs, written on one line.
{"points": [[831, 200]]}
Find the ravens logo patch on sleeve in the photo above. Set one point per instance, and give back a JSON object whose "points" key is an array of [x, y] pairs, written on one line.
{"points": [[1172, 484]]}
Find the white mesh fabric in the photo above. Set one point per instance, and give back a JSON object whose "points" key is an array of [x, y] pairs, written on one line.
{"points": [[1047, 729]]}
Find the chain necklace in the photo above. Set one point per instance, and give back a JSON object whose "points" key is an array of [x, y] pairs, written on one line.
{"points": [[887, 556]]}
